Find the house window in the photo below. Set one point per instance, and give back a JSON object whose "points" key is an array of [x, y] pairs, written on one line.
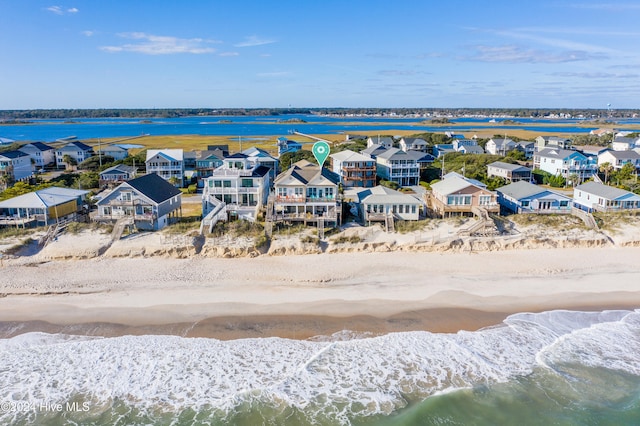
{"points": [[459, 200], [401, 208], [217, 183], [247, 183], [485, 200], [413, 209], [226, 184], [564, 203], [299, 192], [525, 203], [282, 192]]}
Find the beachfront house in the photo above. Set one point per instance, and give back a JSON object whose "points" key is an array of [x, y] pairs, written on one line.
{"points": [[382, 204], [525, 197], [355, 170], [14, 166], [499, 146], [308, 194], [565, 163], [238, 189], [457, 195], [383, 141], [76, 151], [43, 207], [148, 202], [168, 164], [40, 153], [554, 142], [116, 175], [399, 166], [595, 196], [617, 159], [509, 172], [413, 144]]}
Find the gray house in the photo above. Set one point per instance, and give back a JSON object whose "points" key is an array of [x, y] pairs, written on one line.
{"points": [[525, 197], [149, 202]]}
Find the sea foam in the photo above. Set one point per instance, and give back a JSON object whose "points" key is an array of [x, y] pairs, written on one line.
{"points": [[340, 378]]}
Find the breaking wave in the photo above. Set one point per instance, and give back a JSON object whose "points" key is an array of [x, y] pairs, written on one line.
{"points": [[333, 379]]}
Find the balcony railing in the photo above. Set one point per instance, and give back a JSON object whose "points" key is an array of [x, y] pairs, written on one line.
{"points": [[148, 217], [301, 200]]}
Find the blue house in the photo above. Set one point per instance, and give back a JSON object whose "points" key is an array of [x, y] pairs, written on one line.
{"points": [[525, 197], [286, 145]]}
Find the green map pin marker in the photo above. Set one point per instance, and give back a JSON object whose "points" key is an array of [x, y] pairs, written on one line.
{"points": [[320, 151]]}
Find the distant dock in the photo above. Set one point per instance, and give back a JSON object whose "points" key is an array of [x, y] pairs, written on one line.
{"points": [[295, 132]]}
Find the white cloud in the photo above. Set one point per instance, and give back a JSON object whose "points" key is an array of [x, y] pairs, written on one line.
{"points": [[88, 33], [55, 9], [254, 41], [59, 10], [149, 44], [228, 54]]}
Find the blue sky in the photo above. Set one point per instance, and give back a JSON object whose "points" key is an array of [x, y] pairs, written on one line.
{"points": [[280, 53]]}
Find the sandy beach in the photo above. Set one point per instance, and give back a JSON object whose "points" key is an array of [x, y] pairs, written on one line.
{"points": [[302, 296]]}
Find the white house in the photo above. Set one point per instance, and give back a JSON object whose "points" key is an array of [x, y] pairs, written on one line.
{"points": [[260, 157], [41, 154], [499, 146], [166, 163], [621, 143], [379, 203], [383, 141], [76, 150], [619, 158], [565, 163], [399, 166], [413, 144], [240, 187], [543, 142], [595, 196]]}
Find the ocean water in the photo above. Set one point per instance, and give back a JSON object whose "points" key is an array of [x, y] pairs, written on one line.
{"points": [[246, 126], [558, 367]]}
